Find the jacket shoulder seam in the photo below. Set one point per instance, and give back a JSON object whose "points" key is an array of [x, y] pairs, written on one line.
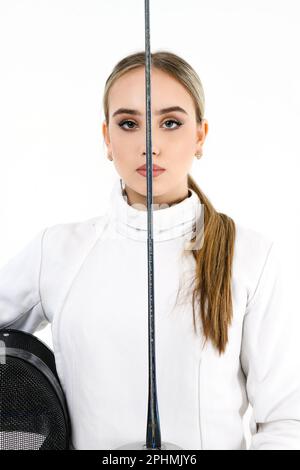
{"points": [[251, 299]]}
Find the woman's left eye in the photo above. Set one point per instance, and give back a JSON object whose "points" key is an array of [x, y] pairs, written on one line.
{"points": [[174, 120], [169, 120]]}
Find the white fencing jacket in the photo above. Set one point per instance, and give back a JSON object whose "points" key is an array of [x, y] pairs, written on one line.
{"points": [[89, 280]]}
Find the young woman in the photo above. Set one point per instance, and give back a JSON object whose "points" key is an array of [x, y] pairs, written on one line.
{"points": [[224, 338]]}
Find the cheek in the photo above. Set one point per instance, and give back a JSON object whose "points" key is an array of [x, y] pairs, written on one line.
{"points": [[182, 149], [181, 163], [123, 150], [119, 141], [182, 141], [124, 155]]}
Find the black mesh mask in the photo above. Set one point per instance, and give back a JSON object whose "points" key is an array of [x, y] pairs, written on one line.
{"points": [[33, 409]]}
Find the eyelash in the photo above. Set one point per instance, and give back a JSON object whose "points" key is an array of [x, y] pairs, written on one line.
{"points": [[168, 120]]}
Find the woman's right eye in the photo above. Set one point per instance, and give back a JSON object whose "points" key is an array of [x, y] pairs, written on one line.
{"points": [[125, 122]]}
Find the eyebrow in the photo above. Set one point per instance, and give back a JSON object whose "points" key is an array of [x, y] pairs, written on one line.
{"points": [[138, 113]]}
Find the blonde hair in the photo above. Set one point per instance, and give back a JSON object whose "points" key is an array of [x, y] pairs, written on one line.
{"points": [[212, 288]]}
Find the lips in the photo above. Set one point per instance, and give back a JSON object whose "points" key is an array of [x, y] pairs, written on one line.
{"points": [[154, 168], [155, 172]]}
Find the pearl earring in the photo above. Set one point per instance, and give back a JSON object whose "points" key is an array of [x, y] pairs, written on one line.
{"points": [[122, 185]]}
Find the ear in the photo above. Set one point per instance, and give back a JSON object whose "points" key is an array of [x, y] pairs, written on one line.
{"points": [[105, 134], [202, 130]]}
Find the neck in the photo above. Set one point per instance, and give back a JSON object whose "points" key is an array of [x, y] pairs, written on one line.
{"points": [[165, 200]]}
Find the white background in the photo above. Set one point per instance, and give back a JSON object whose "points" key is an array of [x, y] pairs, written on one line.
{"points": [[55, 56]]}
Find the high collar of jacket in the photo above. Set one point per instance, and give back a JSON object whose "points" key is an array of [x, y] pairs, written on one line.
{"points": [[170, 222]]}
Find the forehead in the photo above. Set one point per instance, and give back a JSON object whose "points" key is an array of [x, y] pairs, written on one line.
{"points": [[129, 91]]}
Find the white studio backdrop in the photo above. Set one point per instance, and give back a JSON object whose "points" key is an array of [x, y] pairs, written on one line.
{"points": [[55, 56]]}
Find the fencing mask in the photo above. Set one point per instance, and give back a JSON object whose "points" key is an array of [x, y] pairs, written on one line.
{"points": [[33, 409]]}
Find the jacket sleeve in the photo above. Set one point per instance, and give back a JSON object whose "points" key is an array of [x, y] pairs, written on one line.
{"points": [[20, 302], [270, 358]]}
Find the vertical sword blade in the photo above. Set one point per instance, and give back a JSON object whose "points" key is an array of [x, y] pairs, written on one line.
{"points": [[153, 437]]}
